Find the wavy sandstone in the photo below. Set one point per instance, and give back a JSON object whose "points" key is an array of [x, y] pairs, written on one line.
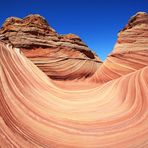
{"points": [[56, 55], [130, 52], [113, 113]]}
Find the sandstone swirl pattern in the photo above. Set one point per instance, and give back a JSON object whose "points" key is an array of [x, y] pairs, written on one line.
{"points": [[55, 54], [130, 52], [34, 112]]}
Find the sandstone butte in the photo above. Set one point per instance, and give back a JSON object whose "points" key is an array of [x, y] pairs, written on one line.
{"points": [[56, 55], [37, 109]]}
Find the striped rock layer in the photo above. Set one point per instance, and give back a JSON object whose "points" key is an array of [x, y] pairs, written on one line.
{"points": [[34, 112], [130, 52], [47, 49]]}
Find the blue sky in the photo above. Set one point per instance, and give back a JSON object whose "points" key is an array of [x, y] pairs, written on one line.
{"points": [[97, 22]]}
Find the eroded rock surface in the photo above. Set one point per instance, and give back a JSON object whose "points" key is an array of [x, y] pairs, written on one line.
{"points": [[36, 112], [43, 45], [134, 36], [130, 52]]}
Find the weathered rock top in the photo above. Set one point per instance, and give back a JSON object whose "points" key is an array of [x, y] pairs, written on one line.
{"points": [[134, 36], [34, 31]]}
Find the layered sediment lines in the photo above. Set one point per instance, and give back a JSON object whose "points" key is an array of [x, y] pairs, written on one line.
{"points": [[56, 55], [36, 113], [106, 108], [117, 65], [63, 67], [130, 52]]}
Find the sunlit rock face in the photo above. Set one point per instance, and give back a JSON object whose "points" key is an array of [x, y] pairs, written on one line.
{"points": [[134, 36], [130, 52], [56, 55], [111, 111]]}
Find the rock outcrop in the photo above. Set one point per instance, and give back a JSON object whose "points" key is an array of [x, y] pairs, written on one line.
{"points": [[134, 36], [44, 46], [110, 113], [130, 52]]}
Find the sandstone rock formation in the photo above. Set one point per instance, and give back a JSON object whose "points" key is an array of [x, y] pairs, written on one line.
{"points": [[133, 37], [130, 52], [50, 51], [34, 112]]}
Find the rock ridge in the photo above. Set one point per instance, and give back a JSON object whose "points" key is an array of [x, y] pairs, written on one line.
{"points": [[33, 31]]}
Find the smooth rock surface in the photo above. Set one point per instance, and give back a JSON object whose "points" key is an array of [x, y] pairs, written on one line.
{"points": [[107, 110]]}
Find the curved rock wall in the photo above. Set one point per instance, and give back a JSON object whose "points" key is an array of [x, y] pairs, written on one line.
{"points": [[130, 52], [113, 113], [43, 45]]}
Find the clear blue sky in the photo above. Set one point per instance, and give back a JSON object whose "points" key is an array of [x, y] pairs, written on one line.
{"points": [[97, 22]]}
